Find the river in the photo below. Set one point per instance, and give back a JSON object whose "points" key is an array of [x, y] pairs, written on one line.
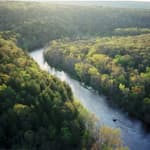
{"points": [[132, 131]]}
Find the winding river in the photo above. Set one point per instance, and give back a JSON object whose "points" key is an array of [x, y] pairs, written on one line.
{"points": [[132, 132]]}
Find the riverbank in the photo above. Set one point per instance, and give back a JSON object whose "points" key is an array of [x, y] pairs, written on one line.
{"points": [[111, 66], [132, 132]]}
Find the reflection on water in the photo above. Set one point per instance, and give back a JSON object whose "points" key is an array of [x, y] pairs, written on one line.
{"points": [[131, 130]]}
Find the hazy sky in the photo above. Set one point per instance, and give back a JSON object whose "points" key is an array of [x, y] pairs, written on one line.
{"points": [[80, 0], [94, 0]]}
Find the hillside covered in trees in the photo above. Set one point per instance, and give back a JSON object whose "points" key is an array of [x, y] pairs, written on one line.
{"points": [[35, 24], [37, 111], [116, 66]]}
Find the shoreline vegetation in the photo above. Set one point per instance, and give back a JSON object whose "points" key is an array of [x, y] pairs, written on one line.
{"points": [[114, 66], [38, 111]]}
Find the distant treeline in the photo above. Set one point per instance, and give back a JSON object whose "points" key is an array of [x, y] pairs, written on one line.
{"points": [[37, 23]]}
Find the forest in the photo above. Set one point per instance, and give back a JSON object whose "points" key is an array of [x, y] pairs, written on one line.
{"points": [[118, 67], [35, 24], [106, 48], [37, 111]]}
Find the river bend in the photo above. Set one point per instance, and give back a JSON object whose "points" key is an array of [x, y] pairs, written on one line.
{"points": [[132, 132]]}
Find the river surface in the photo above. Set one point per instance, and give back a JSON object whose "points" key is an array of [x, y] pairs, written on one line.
{"points": [[132, 132]]}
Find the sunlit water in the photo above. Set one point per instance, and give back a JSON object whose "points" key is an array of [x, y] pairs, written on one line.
{"points": [[132, 132]]}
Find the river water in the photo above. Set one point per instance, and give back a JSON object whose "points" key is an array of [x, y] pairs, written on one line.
{"points": [[132, 132]]}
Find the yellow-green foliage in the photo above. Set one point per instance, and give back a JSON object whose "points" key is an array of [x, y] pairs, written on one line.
{"points": [[117, 66], [36, 109]]}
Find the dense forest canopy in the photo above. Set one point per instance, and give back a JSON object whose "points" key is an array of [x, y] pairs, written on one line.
{"points": [[111, 65], [37, 111], [37, 23]]}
